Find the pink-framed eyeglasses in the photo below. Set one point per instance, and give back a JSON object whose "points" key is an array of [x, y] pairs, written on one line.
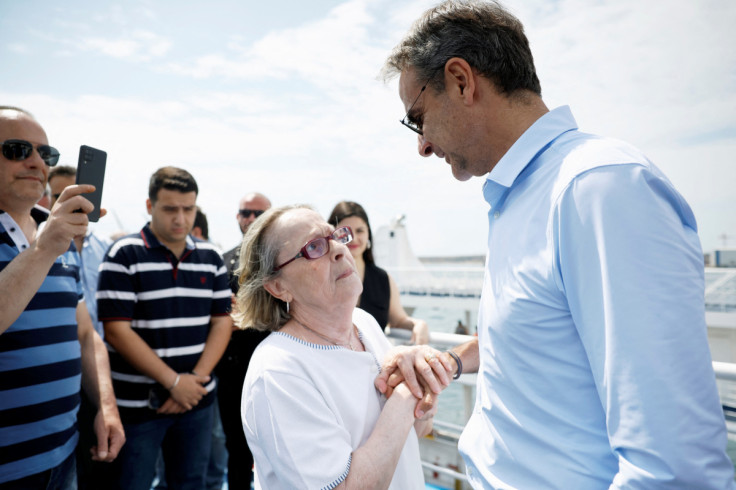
{"points": [[318, 247]]}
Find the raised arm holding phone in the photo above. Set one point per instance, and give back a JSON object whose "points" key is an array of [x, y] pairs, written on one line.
{"points": [[46, 340]]}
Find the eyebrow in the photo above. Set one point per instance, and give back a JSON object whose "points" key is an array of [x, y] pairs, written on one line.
{"points": [[173, 207]]}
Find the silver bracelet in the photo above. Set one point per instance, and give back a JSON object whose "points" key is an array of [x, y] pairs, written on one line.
{"points": [[176, 382]]}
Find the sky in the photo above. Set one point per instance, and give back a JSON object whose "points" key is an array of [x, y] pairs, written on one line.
{"points": [[285, 98]]}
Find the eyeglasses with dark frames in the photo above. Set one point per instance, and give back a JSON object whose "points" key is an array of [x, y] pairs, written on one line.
{"points": [[318, 247], [415, 126], [19, 150]]}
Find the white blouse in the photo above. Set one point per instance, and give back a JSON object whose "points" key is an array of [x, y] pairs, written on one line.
{"points": [[307, 407]]}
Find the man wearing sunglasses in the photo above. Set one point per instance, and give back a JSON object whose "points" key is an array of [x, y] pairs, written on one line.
{"points": [[47, 341], [234, 363]]}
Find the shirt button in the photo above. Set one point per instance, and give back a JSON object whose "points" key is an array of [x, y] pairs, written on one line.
{"points": [[496, 214], [12, 230]]}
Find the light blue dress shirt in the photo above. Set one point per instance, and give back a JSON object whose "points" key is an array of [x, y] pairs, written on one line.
{"points": [[93, 252], [595, 368]]}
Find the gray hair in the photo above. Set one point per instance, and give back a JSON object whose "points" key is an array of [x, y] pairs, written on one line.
{"points": [[484, 34], [257, 308]]}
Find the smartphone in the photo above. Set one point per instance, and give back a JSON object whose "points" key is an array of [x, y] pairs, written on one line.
{"points": [[91, 170]]}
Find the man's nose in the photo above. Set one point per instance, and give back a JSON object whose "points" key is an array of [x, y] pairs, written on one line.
{"points": [[425, 147], [34, 160]]}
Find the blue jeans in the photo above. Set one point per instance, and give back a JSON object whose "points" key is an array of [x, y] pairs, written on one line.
{"points": [[218, 454], [185, 441]]}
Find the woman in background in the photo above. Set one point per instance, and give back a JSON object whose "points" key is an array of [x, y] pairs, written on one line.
{"points": [[380, 295]]}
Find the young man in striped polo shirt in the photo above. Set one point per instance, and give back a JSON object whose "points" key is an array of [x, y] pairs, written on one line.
{"points": [[164, 301], [47, 342]]}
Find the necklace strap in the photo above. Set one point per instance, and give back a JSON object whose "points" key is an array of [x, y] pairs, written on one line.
{"points": [[349, 343]]}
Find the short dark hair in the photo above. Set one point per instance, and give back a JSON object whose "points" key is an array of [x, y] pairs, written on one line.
{"points": [[173, 179], [62, 171], [200, 220], [348, 209], [483, 33]]}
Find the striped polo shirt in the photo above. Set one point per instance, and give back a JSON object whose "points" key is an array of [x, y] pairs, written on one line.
{"points": [[169, 303], [40, 366]]}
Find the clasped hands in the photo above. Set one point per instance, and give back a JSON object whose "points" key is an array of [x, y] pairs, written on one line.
{"points": [[185, 394], [425, 371]]}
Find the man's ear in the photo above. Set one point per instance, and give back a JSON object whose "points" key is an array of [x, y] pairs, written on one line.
{"points": [[276, 288], [460, 80], [149, 205]]}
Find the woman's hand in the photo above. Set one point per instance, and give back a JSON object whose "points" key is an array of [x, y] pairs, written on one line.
{"points": [[420, 332]]}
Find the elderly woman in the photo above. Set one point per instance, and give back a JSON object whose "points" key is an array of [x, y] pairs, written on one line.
{"points": [[311, 413]]}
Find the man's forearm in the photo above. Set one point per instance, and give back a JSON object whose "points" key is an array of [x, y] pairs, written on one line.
{"points": [[20, 280], [138, 353], [96, 379], [217, 341], [469, 355]]}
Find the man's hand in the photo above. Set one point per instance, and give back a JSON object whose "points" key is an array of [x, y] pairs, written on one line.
{"points": [[189, 390], [425, 370], [171, 406], [110, 435], [64, 224]]}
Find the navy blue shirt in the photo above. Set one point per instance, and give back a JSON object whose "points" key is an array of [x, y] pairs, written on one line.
{"points": [[40, 366], [169, 303]]}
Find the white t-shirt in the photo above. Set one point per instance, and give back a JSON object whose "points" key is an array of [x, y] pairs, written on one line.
{"points": [[307, 407]]}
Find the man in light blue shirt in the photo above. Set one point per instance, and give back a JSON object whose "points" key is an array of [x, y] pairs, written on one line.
{"points": [[593, 364], [91, 247], [90, 251]]}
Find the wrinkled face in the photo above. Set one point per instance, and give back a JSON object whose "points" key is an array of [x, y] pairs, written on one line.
{"points": [[250, 203], [172, 216], [25, 180], [447, 132], [360, 235], [322, 284]]}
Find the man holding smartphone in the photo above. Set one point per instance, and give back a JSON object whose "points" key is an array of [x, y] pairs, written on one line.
{"points": [[47, 341], [164, 301]]}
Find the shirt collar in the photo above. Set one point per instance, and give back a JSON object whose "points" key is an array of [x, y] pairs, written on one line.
{"points": [[39, 215], [535, 139], [150, 240]]}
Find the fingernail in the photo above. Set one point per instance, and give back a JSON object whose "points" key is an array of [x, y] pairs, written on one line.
{"points": [[420, 414], [103, 454]]}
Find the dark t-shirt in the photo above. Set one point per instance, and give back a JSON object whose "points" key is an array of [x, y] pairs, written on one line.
{"points": [[376, 295]]}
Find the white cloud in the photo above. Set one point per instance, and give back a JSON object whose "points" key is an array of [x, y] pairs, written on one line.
{"points": [[18, 48], [139, 46]]}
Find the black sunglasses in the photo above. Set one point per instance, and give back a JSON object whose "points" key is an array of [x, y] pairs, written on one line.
{"points": [[245, 213], [19, 150]]}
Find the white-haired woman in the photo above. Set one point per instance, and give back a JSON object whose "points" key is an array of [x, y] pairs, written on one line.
{"points": [[311, 413]]}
